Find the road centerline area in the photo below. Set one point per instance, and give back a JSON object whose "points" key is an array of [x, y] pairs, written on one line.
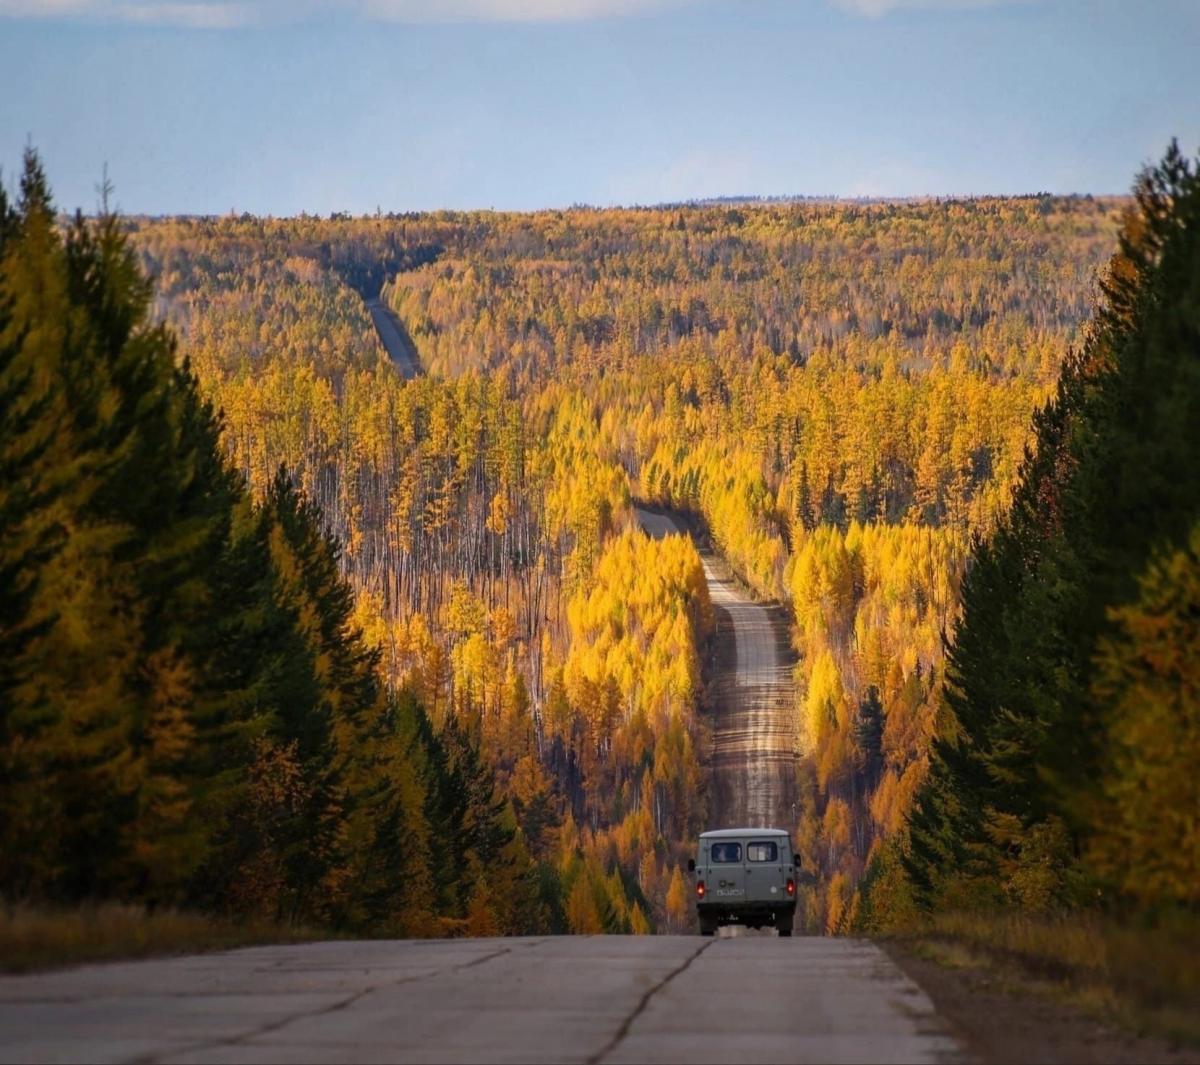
{"points": [[623, 1031]]}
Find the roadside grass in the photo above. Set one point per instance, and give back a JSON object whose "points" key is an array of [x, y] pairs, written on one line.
{"points": [[1143, 975], [34, 937]]}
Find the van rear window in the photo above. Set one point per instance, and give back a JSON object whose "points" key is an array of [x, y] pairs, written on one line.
{"points": [[762, 852], [724, 853]]}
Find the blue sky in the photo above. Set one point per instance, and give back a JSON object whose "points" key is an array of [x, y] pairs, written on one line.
{"points": [[276, 107]]}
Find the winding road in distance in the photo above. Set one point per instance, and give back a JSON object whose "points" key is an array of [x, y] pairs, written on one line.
{"points": [[754, 782], [394, 339]]}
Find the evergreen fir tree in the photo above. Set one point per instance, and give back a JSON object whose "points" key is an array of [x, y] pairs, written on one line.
{"points": [[1110, 476]]}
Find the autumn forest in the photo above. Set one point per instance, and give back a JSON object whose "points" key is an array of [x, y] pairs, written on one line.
{"points": [[284, 634]]}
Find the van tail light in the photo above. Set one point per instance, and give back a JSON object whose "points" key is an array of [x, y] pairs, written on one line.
{"points": [[700, 889], [791, 888]]}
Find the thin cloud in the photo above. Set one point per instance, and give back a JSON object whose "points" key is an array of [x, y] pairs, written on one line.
{"points": [[227, 14], [196, 14], [879, 8], [224, 14], [513, 10], [218, 16]]}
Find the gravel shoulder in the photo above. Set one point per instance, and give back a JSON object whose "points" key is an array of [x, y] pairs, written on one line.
{"points": [[1000, 1015]]}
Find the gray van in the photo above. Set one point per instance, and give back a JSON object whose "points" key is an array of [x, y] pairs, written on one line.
{"points": [[746, 876]]}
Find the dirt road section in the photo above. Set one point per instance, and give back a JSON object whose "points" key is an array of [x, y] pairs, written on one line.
{"points": [[394, 339], [753, 765]]}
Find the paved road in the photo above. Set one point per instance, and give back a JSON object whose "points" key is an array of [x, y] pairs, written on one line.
{"points": [[393, 338], [570, 999], [753, 736]]}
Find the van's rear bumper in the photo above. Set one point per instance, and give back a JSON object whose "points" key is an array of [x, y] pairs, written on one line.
{"points": [[738, 912]]}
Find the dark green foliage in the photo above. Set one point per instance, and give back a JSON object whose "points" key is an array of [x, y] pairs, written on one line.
{"points": [[868, 735], [187, 714], [25, 439], [1112, 478], [465, 814]]}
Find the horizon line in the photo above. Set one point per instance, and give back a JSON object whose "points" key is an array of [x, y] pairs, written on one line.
{"points": [[699, 202]]}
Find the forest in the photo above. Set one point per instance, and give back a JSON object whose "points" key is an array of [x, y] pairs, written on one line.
{"points": [[190, 715], [840, 393], [1063, 770], [286, 634]]}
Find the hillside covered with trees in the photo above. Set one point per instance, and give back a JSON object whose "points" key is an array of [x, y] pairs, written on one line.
{"points": [[191, 716], [840, 393], [287, 635], [1064, 767]]}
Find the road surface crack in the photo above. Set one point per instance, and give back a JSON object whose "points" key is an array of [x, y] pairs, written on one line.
{"points": [[265, 1029], [640, 1008], [282, 1022]]}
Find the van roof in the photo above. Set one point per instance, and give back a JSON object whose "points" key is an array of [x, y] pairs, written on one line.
{"points": [[737, 833]]}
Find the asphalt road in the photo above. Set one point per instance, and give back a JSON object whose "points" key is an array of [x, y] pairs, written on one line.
{"points": [[393, 338], [753, 735], [569, 999]]}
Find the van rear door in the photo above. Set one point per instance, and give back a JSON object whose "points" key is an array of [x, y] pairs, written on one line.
{"points": [[766, 869], [727, 872]]}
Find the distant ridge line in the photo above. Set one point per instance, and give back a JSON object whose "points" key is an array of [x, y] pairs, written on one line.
{"points": [[665, 205]]}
